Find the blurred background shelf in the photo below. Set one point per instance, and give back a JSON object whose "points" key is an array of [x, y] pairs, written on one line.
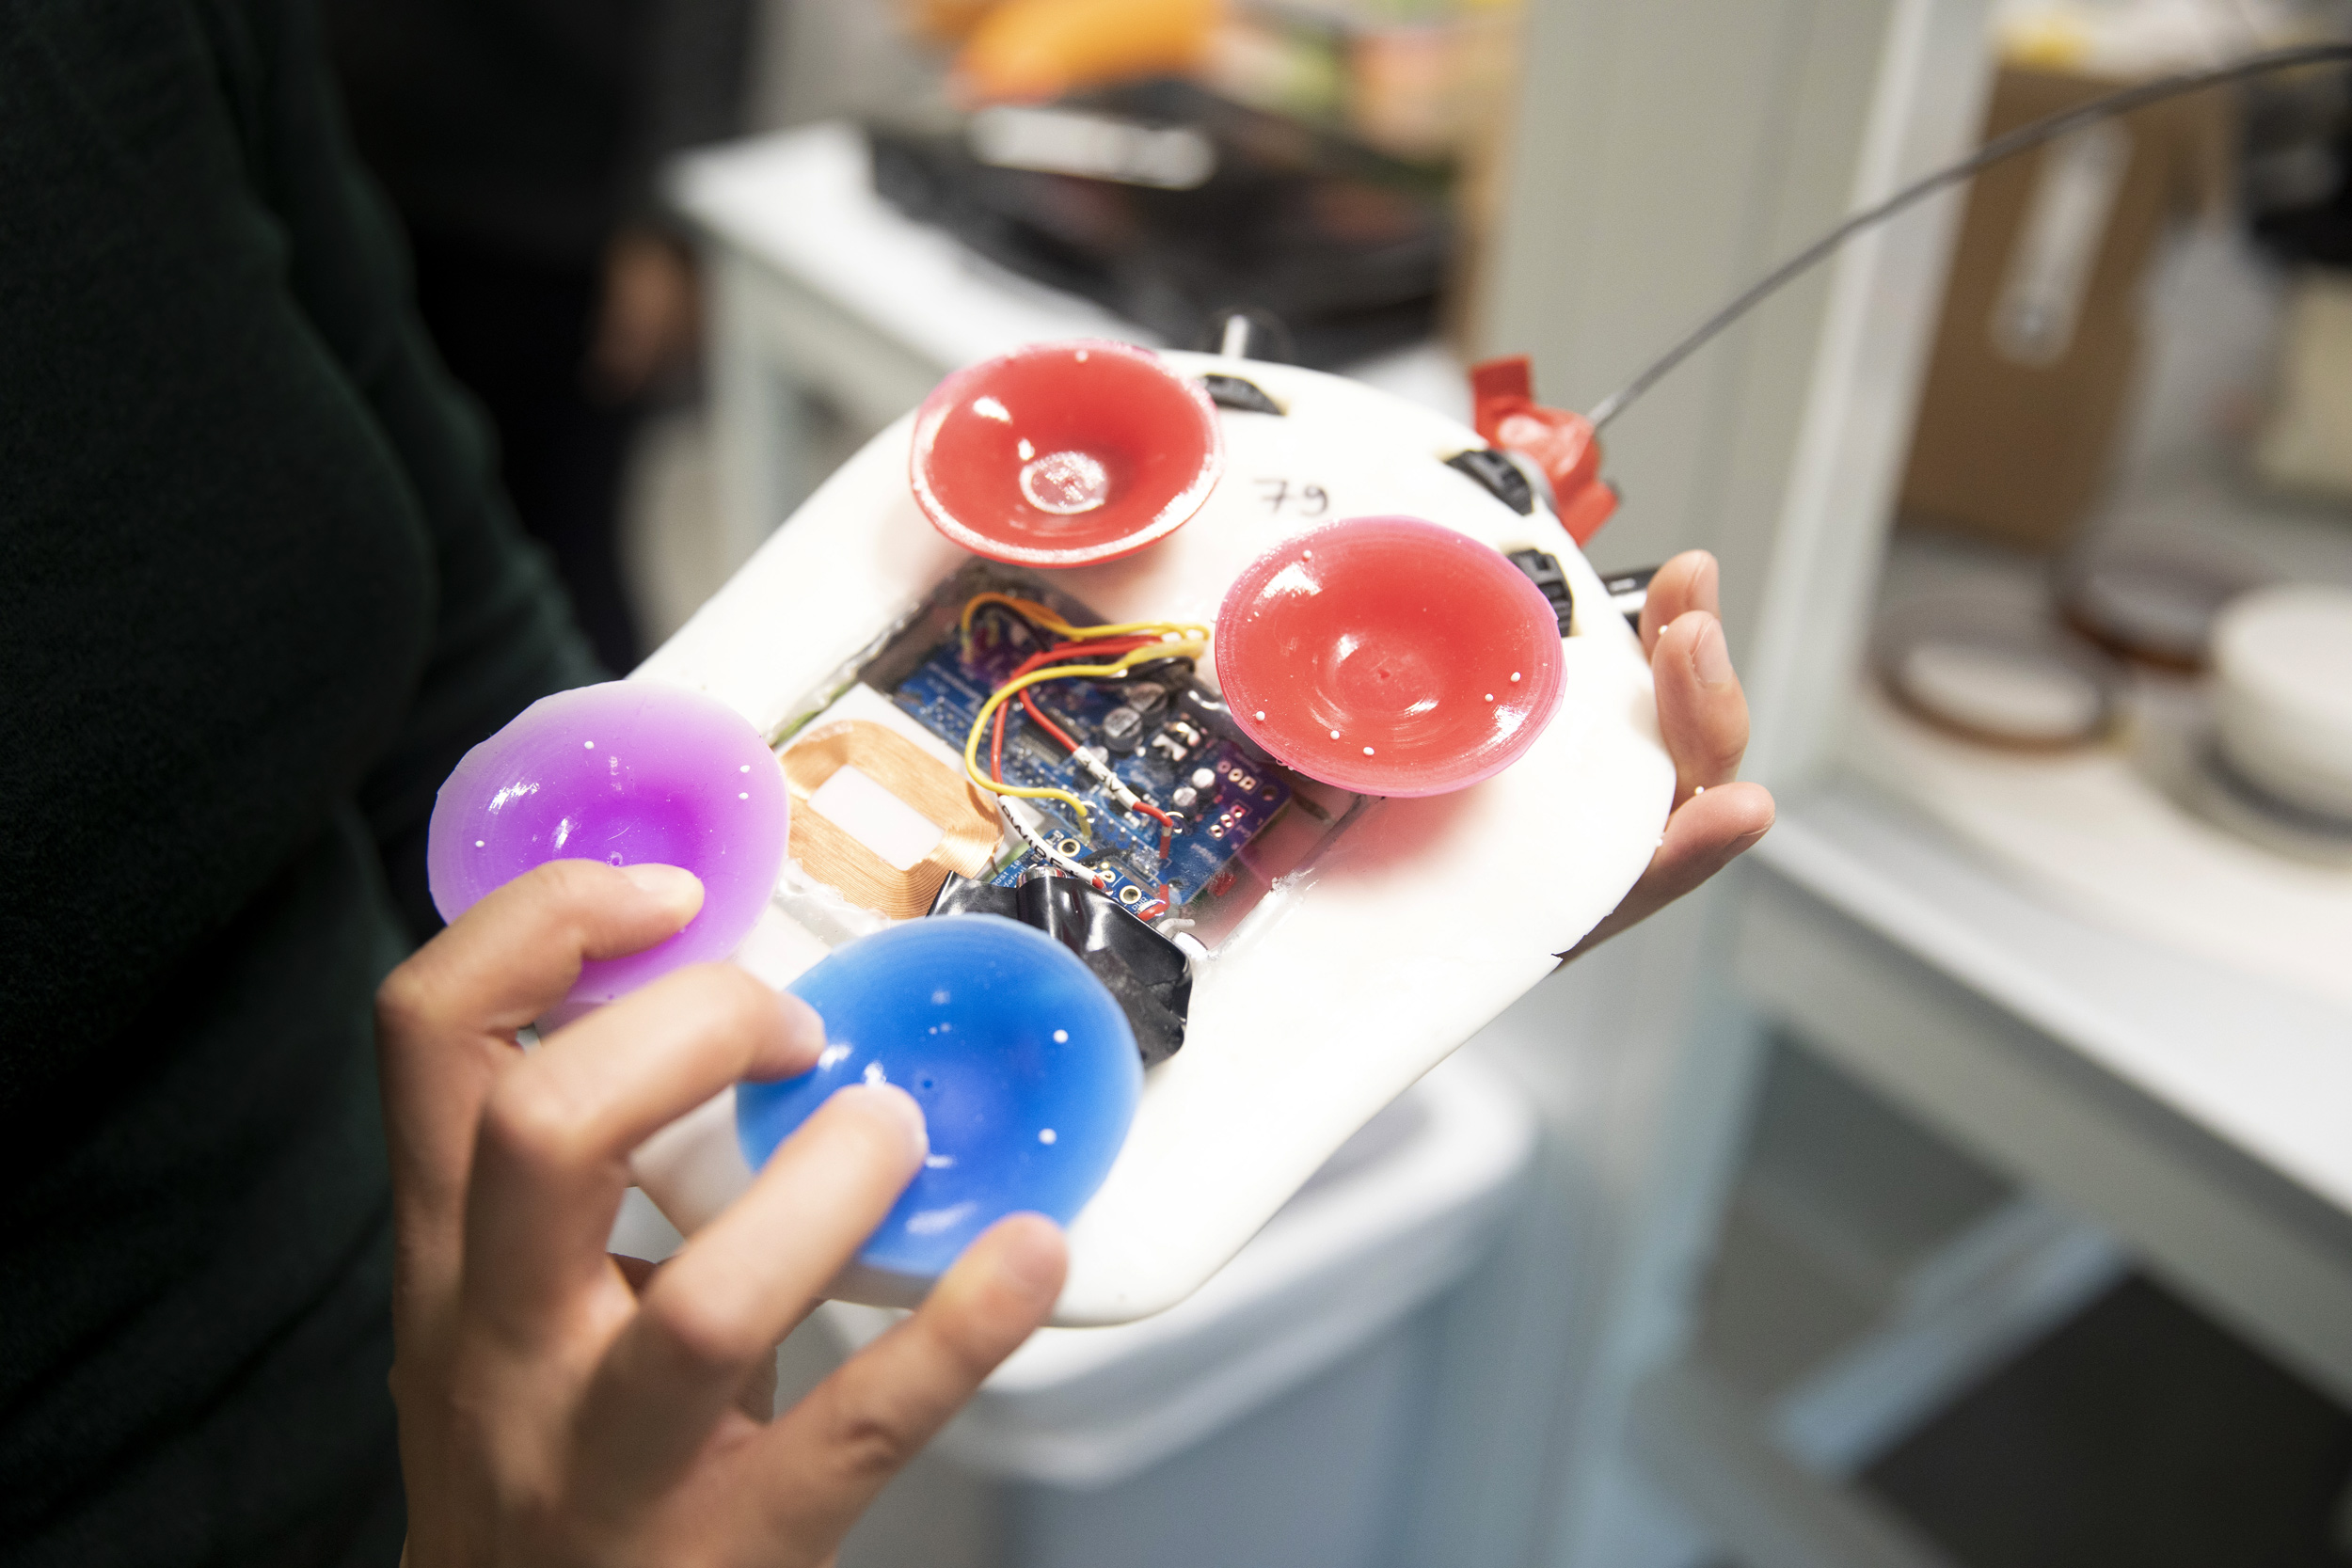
{"points": [[1868, 1271], [1980, 1114], [1866, 1274]]}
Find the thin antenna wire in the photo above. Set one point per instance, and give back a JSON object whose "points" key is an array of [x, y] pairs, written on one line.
{"points": [[2024, 139]]}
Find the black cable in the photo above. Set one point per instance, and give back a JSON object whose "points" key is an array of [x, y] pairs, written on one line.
{"points": [[2024, 139]]}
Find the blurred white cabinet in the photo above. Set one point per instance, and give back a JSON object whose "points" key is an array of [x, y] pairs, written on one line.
{"points": [[2135, 1107]]}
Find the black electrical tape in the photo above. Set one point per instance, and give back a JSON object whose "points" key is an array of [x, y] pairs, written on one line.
{"points": [[1148, 974]]}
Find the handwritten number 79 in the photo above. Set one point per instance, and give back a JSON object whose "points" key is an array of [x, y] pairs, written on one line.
{"points": [[1305, 501]]}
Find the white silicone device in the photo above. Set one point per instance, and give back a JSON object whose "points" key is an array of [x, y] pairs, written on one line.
{"points": [[1407, 932]]}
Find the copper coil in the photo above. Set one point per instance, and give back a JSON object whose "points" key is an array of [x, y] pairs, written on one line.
{"points": [[942, 797]]}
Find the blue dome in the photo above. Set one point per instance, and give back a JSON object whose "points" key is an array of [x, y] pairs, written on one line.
{"points": [[1023, 1062]]}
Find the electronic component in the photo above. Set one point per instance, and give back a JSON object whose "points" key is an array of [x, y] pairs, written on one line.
{"points": [[967, 831], [1207, 711], [1629, 593], [1095, 762], [1132, 838], [1498, 476], [1544, 572], [1234, 392], [1122, 729], [1177, 740], [1162, 675]]}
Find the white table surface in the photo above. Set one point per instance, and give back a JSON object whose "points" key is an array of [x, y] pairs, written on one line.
{"points": [[802, 202], [2262, 1067]]}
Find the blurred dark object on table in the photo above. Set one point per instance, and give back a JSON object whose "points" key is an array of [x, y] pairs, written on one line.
{"points": [[2298, 168], [2151, 600], [2299, 181], [2039, 342], [2320, 233], [521, 140], [1174, 207]]}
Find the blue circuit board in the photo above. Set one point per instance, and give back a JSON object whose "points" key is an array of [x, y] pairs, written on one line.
{"points": [[1237, 801]]}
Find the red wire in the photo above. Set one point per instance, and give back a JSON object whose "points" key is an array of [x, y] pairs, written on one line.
{"points": [[1030, 706], [1064, 650], [1072, 649], [1168, 824]]}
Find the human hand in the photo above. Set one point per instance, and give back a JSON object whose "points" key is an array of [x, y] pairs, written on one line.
{"points": [[1703, 718], [550, 1413], [648, 318]]}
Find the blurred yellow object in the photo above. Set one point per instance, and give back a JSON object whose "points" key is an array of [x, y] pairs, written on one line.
{"points": [[944, 20], [2046, 41], [1032, 49]]}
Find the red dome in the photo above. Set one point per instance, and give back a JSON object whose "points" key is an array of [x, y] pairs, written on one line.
{"points": [[1389, 656], [1059, 454]]}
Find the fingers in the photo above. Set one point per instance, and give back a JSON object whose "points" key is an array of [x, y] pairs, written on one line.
{"points": [[835, 1449], [514, 954], [550, 1160], [1703, 720], [1705, 835], [1702, 711], [718, 1307], [446, 1022], [445, 1019], [1690, 581]]}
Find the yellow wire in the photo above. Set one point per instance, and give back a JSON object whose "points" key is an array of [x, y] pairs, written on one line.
{"points": [[1032, 610], [996, 699]]}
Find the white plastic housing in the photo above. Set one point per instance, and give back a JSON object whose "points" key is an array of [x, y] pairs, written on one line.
{"points": [[1355, 975]]}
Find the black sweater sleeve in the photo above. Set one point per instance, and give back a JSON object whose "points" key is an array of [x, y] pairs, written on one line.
{"points": [[502, 634], [257, 593]]}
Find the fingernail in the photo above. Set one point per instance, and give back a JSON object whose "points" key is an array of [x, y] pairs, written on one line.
{"points": [[1707, 585], [1035, 1255], [1711, 659], [801, 1024], [899, 1106], [673, 886]]}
